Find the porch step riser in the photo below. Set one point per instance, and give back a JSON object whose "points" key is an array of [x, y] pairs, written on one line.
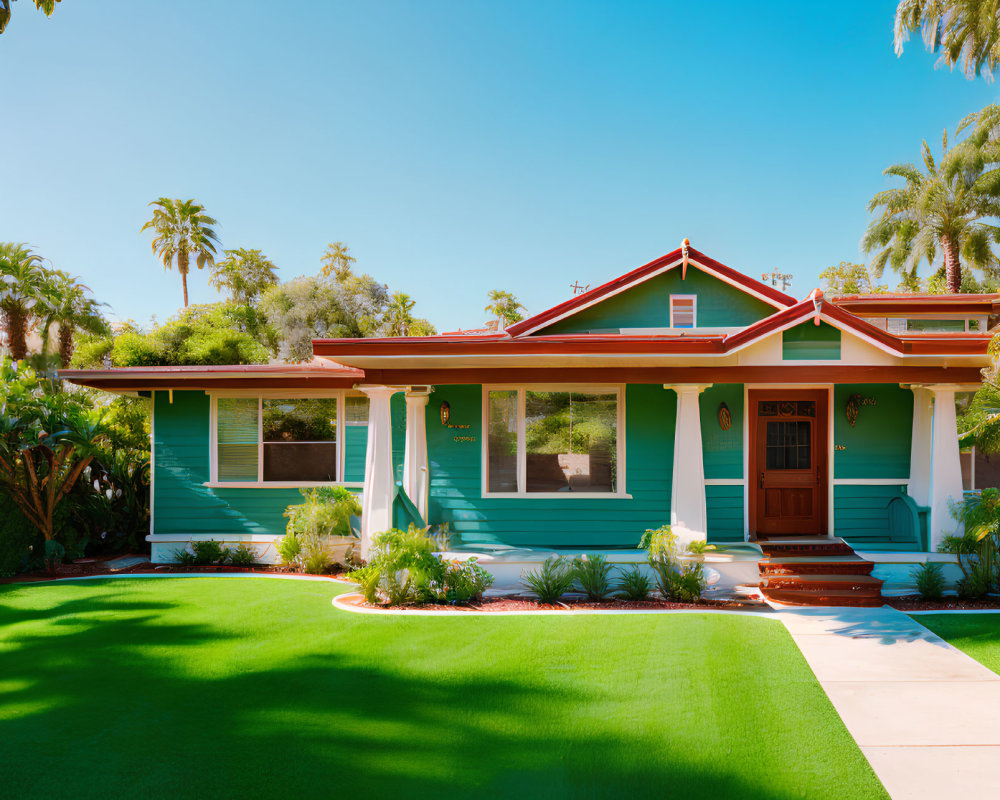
{"points": [[820, 574], [819, 568], [776, 551], [795, 598]]}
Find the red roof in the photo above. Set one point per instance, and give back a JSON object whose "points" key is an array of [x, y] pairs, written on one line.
{"points": [[900, 303]]}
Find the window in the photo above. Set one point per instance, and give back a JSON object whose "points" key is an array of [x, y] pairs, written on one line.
{"points": [[541, 443], [287, 440], [683, 310]]}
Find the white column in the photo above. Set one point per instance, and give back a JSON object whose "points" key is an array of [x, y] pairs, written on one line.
{"points": [[688, 513], [920, 446], [946, 468], [416, 479], [380, 488]]}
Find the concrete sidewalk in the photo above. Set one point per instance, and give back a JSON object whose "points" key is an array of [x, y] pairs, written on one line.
{"points": [[926, 716]]}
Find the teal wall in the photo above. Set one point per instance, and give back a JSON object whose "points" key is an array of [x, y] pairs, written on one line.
{"points": [[861, 516], [648, 305], [878, 446], [723, 449], [455, 480], [810, 341], [725, 513]]}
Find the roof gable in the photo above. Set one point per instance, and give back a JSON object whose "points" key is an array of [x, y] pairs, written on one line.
{"points": [[649, 307]]}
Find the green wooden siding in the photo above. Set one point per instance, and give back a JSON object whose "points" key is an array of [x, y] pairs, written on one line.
{"points": [[647, 305], [810, 341], [861, 516], [878, 445], [455, 480], [723, 450], [725, 513]]}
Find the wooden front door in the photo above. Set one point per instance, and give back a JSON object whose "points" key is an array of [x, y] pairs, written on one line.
{"points": [[788, 462]]}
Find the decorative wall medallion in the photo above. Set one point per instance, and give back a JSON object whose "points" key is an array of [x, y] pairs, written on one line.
{"points": [[445, 412], [725, 418], [852, 408]]}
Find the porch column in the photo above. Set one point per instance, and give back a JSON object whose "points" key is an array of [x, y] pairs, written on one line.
{"points": [[415, 476], [920, 446], [376, 502], [688, 514], [946, 468]]}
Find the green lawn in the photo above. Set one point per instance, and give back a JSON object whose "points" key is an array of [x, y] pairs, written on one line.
{"points": [[978, 635], [247, 687]]}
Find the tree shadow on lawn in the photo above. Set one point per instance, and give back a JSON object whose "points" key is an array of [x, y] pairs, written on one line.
{"points": [[139, 704]]}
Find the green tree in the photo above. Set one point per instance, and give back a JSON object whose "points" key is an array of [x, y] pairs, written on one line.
{"points": [[939, 213], [398, 317], [505, 307], [849, 278], [337, 261], [23, 300], [246, 274], [182, 230], [308, 308], [45, 6], [70, 307], [965, 32]]}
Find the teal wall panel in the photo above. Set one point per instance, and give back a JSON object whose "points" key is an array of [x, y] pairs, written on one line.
{"points": [[723, 450], [648, 305], [878, 445], [861, 516], [455, 480], [810, 341], [725, 513]]}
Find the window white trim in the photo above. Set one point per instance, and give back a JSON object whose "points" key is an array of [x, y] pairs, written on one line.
{"points": [[694, 310], [522, 494], [275, 394]]}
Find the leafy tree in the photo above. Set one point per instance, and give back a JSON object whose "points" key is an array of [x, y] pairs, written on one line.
{"points": [[23, 282], [246, 274], [71, 309], [45, 6], [399, 319], [940, 211], [505, 307], [337, 261], [308, 308], [965, 32], [849, 278], [182, 230]]}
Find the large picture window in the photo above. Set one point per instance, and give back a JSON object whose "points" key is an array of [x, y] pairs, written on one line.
{"points": [[286, 440], [552, 442]]}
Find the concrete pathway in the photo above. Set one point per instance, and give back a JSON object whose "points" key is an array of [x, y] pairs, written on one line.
{"points": [[926, 716]]}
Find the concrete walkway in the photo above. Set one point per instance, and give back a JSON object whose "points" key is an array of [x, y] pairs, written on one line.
{"points": [[926, 716]]}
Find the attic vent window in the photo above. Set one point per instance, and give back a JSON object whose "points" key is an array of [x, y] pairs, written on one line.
{"points": [[683, 311]]}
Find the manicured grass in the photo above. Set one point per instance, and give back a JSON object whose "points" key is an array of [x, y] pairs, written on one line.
{"points": [[243, 687], [978, 635]]}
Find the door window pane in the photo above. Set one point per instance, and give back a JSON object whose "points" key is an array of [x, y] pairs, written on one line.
{"points": [[788, 445], [502, 442], [236, 436]]}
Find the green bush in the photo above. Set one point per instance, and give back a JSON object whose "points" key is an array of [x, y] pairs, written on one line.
{"points": [[289, 547], [184, 557], [208, 552], [54, 554], [633, 583], [464, 581], [593, 572], [17, 536], [929, 579], [243, 556], [314, 526], [680, 581], [134, 349], [315, 557], [368, 579], [552, 580]]}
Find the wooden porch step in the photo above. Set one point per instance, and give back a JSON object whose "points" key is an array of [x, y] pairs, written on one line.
{"points": [[831, 597], [813, 582], [840, 565], [810, 572], [805, 547]]}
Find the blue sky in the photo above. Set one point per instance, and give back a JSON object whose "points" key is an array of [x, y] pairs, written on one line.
{"points": [[459, 146]]}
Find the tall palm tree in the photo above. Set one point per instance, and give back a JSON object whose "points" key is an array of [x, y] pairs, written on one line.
{"points": [[505, 307], [71, 309], [23, 280], [398, 314], [183, 230], [964, 32], [937, 215]]}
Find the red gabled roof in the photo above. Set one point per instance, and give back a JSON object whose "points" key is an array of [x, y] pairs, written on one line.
{"points": [[901, 303], [696, 258]]}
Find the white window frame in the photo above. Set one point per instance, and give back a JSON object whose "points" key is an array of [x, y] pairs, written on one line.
{"points": [[275, 394], [522, 494], [694, 310]]}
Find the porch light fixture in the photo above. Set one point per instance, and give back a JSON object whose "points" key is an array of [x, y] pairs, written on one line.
{"points": [[445, 412]]}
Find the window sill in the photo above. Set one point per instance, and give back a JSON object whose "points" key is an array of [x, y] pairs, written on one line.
{"points": [[279, 484], [556, 495]]}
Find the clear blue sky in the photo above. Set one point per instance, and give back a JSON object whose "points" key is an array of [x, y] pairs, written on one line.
{"points": [[459, 146]]}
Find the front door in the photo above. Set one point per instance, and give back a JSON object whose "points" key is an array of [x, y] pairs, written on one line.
{"points": [[788, 460]]}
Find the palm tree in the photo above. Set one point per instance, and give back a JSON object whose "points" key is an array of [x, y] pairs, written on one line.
{"points": [[247, 274], [70, 308], [183, 230], [940, 211], [965, 32], [23, 281], [505, 307], [337, 260], [398, 314]]}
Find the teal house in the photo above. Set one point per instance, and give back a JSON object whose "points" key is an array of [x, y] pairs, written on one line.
{"points": [[683, 392]]}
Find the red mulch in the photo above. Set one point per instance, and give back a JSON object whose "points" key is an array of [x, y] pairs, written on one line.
{"points": [[518, 603], [912, 602]]}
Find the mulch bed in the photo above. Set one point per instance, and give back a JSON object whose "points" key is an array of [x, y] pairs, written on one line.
{"points": [[912, 602], [518, 603]]}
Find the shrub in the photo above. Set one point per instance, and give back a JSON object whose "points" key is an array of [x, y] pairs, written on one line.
{"points": [[465, 581], [134, 349], [54, 553], [16, 538], [368, 579], [594, 575], [315, 526], [633, 583], [407, 564], [243, 556], [552, 580], [975, 585], [288, 548], [315, 557], [699, 547], [185, 557], [208, 552], [929, 578], [676, 580], [660, 544]]}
